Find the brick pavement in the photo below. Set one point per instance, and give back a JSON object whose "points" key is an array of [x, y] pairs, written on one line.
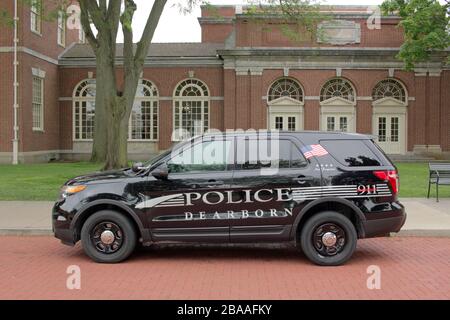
{"points": [[411, 268]]}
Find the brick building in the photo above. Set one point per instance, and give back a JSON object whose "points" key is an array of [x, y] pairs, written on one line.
{"points": [[242, 75]]}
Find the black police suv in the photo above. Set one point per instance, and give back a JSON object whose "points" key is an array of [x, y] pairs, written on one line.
{"points": [[321, 190]]}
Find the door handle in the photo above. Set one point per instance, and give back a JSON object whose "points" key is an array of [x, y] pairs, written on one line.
{"points": [[302, 179], [211, 183]]}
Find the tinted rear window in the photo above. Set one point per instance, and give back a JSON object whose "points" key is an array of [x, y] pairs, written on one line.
{"points": [[284, 155], [351, 153]]}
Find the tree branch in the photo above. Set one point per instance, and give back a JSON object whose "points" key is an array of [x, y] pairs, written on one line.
{"points": [[95, 13], [126, 21], [86, 24], [102, 5], [113, 18], [130, 75], [149, 31]]}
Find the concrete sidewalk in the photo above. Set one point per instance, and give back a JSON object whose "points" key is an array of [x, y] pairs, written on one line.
{"points": [[426, 217]]}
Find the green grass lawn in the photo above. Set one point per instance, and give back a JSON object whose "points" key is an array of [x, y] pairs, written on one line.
{"points": [[43, 181], [414, 181], [39, 181]]}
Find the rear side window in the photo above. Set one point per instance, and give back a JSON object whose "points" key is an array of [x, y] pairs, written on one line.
{"points": [[351, 153], [258, 154]]}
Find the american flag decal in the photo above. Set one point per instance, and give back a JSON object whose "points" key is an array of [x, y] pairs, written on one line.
{"points": [[314, 150]]}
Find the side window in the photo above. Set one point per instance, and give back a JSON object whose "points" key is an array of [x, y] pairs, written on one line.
{"points": [[253, 154], [202, 156], [297, 158], [260, 154], [351, 153], [284, 155]]}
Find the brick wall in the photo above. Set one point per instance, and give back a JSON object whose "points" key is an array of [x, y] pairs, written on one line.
{"points": [[216, 33], [6, 36], [6, 102], [445, 111], [253, 33], [165, 79], [49, 138], [46, 43]]}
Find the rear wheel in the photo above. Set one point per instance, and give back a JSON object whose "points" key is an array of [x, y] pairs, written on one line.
{"points": [[328, 238], [108, 237]]}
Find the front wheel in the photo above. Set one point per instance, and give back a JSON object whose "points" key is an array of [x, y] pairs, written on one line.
{"points": [[108, 237], [328, 238]]}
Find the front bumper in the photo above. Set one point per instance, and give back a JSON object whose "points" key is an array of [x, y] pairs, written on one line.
{"points": [[61, 225], [385, 224]]}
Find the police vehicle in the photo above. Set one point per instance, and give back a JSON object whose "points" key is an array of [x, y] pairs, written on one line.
{"points": [[319, 190]]}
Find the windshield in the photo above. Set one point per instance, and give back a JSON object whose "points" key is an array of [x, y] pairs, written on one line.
{"points": [[156, 160]]}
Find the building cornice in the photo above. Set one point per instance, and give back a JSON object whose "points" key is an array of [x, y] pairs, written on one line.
{"points": [[334, 15], [307, 51], [149, 62], [30, 52], [214, 20]]}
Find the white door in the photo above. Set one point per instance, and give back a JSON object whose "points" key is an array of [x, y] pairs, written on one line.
{"points": [[336, 123], [390, 130], [286, 122]]}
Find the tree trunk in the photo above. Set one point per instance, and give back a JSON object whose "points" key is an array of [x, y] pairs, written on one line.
{"points": [[113, 109], [104, 99], [117, 135]]}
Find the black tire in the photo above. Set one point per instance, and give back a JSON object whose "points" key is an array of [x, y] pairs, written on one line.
{"points": [[340, 225], [123, 229]]}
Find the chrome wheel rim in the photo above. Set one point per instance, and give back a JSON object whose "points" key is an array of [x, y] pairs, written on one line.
{"points": [[107, 237], [329, 239]]}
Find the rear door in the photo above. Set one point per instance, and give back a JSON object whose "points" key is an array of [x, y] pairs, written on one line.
{"points": [[362, 173], [267, 187]]}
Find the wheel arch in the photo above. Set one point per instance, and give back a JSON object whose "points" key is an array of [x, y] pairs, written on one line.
{"points": [[95, 206], [343, 206]]}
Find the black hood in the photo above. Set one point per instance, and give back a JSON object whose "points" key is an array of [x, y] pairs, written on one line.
{"points": [[102, 177]]}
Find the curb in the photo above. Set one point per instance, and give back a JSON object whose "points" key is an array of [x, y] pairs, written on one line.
{"points": [[444, 233], [403, 233], [26, 232]]}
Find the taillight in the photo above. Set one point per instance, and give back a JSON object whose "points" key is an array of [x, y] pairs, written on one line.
{"points": [[390, 176]]}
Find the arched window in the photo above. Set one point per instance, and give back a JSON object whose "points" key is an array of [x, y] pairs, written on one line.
{"points": [[84, 110], [191, 108], [337, 87], [389, 88], [285, 87], [144, 117]]}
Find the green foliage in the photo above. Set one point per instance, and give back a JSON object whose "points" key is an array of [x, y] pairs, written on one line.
{"points": [[426, 26], [49, 10], [298, 19]]}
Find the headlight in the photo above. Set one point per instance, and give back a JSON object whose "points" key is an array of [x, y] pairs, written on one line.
{"points": [[68, 190]]}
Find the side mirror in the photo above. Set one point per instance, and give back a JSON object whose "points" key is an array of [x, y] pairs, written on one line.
{"points": [[162, 172], [137, 167]]}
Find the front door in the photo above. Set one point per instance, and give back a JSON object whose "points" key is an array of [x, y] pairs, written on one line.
{"points": [[285, 122], [390, 132], [187, 206], [268, 192]]}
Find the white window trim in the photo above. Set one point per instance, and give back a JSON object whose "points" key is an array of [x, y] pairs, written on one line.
{"points": [[42, 105], [34, 11], [130, 129], [74, 119], [81, 35], [74, 105], [182, 99], [61, 30], [201, 99], [76, 100]]}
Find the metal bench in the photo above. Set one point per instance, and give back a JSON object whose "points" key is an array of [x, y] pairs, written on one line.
{"points": [[439, 175]]}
